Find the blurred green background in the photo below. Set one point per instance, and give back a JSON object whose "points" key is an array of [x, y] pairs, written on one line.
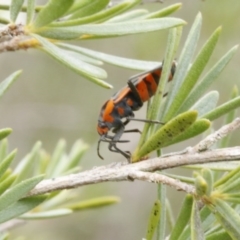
{"points": [[49, 102]]}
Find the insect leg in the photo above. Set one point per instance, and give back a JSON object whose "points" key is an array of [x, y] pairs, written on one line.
{"points": [[110, 140], [145, 120], [132, 130], [112, 145]]}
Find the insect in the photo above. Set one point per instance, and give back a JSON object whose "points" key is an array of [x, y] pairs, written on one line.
{"points": [[140, 88]]}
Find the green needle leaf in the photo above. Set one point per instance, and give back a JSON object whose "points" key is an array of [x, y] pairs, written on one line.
{"points": [[222, 234], [229, 118], [198, 127], [20, 207], [181, 71], [94, 203], [5, 132], [58, 153], [201, 186], [207, 103], [223, 109], [3, 149], [78, 5], [166, 134], [6, 83], [47, 214], [208, 177], [15, 8], [183, 218], [153, 220], [227, 217], [53, 10], [18, 191], [90, 72], [194, 73], [110, 30], [131, 15], [111, 59], [163, 12], [30, 10], [196, 226], [26, 166], [93, 7], [4, 165], [7, 182], [208, 79], [100, 16]]}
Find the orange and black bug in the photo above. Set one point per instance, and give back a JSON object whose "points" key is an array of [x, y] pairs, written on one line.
{"points": [[121, 105]]}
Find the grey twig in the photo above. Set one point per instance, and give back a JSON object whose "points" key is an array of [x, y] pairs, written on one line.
{"points": [[127, 172], [206, 143]]}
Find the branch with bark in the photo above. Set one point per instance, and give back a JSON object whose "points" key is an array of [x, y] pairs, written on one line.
{"points": [[144, 170]]}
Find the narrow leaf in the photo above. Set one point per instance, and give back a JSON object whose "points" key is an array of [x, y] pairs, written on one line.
{"points": [[201, 186], [53, 10], [166, 134], [3, 149], [47, 214], [30, 10], [131, 15], [170, 216], [228, 218], [231, 186], [208, 79], [183, 218], [26, 166], [82, 57], [222, 234], [18, 191], [162, 195], [77, 5], [93, 7], [232, 175], [184, 62], [111, 59], [56, 158], [196, 226], [67, 163], [93, 203], [194, 73], [198, 127], [100, 16], [223, 109], [90, 72], [168, 66], [181, 178], [20, 207], [156, 106], [229, 118], [227, 166], [15, 8], [6, 83], [4, 165], [7, 182], [163, 12], [78, 150], [110, 30], [208, 177], [153, 220], [207, 103], [5, 132]]}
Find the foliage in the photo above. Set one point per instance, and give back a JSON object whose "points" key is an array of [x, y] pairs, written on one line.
{"points": [[85, 20], [213, 211]]}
